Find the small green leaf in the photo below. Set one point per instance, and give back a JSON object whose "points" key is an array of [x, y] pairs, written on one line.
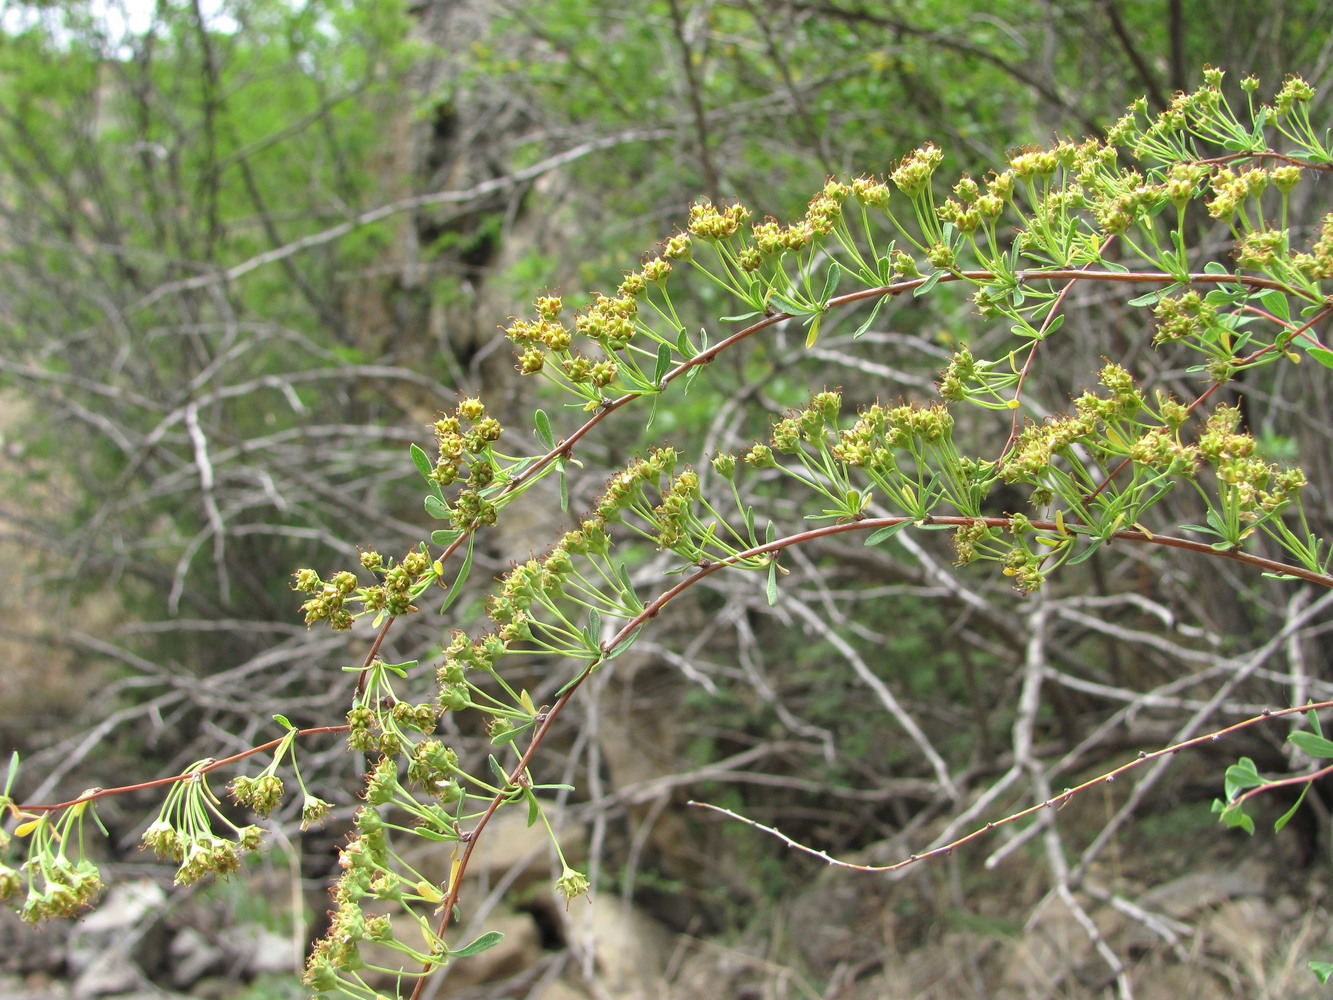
{"points": [[593, 631], [871, 318], [1233, 816], [813, 335], [1275, 302], [534, 810], [830, 284], [1315, 746], [1086, 554], [663, 364], [741, 318], [771, 590], [282, 721], [1286, 816], [436, 508], [445, 536], [459, 580], [422, 463], [885, 533], [1321, 354], [543, 425], [564, 485], [507, 736], [13, 772], [1321, 969], [926, 285], [488, 940], [1240, 776], [1215, 267], [1149, 299]]}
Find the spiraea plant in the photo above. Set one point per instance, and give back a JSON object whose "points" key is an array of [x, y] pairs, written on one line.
{"points": [[1124, 214]]}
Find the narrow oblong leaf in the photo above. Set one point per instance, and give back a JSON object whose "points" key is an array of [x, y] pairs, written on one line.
{"points": [[1315, 746], [13, 772], [1285, 818], [422, 463], [1321, 354], [831, 283], [534, 810], [663, 364], [436, 508], [542, 423], [926, 285], [869, 319], [461, 578], [488, 940], [885, 533], [1149, 299]]}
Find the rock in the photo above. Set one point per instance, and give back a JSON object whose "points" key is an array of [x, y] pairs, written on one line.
{"points": [[28, 950], [33, 988], [116, 942], [191, 957], [519, 949], [110, 973], [559, 990], [630, 949], [253, 950]]}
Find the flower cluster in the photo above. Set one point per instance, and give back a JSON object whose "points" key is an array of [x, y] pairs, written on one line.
{"points": [[772, 239], [262, 794], [626, 486], [912, 175], [60, 887], [1182, 317], [1318, 264], [330, 597], [711, 224], [463, 439], [967, 538], [198, 850], [1125, 201], [871, 192], [1294, 91], [1182, 182], [1254, 486], [1230, 189], [1158, 448], [364, 861], [1038, 445], [878, 428], [970, 208], [672, 515], [393, 596]]}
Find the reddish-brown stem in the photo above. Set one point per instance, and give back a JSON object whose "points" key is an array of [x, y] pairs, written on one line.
{"points": [[212, 765]]}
